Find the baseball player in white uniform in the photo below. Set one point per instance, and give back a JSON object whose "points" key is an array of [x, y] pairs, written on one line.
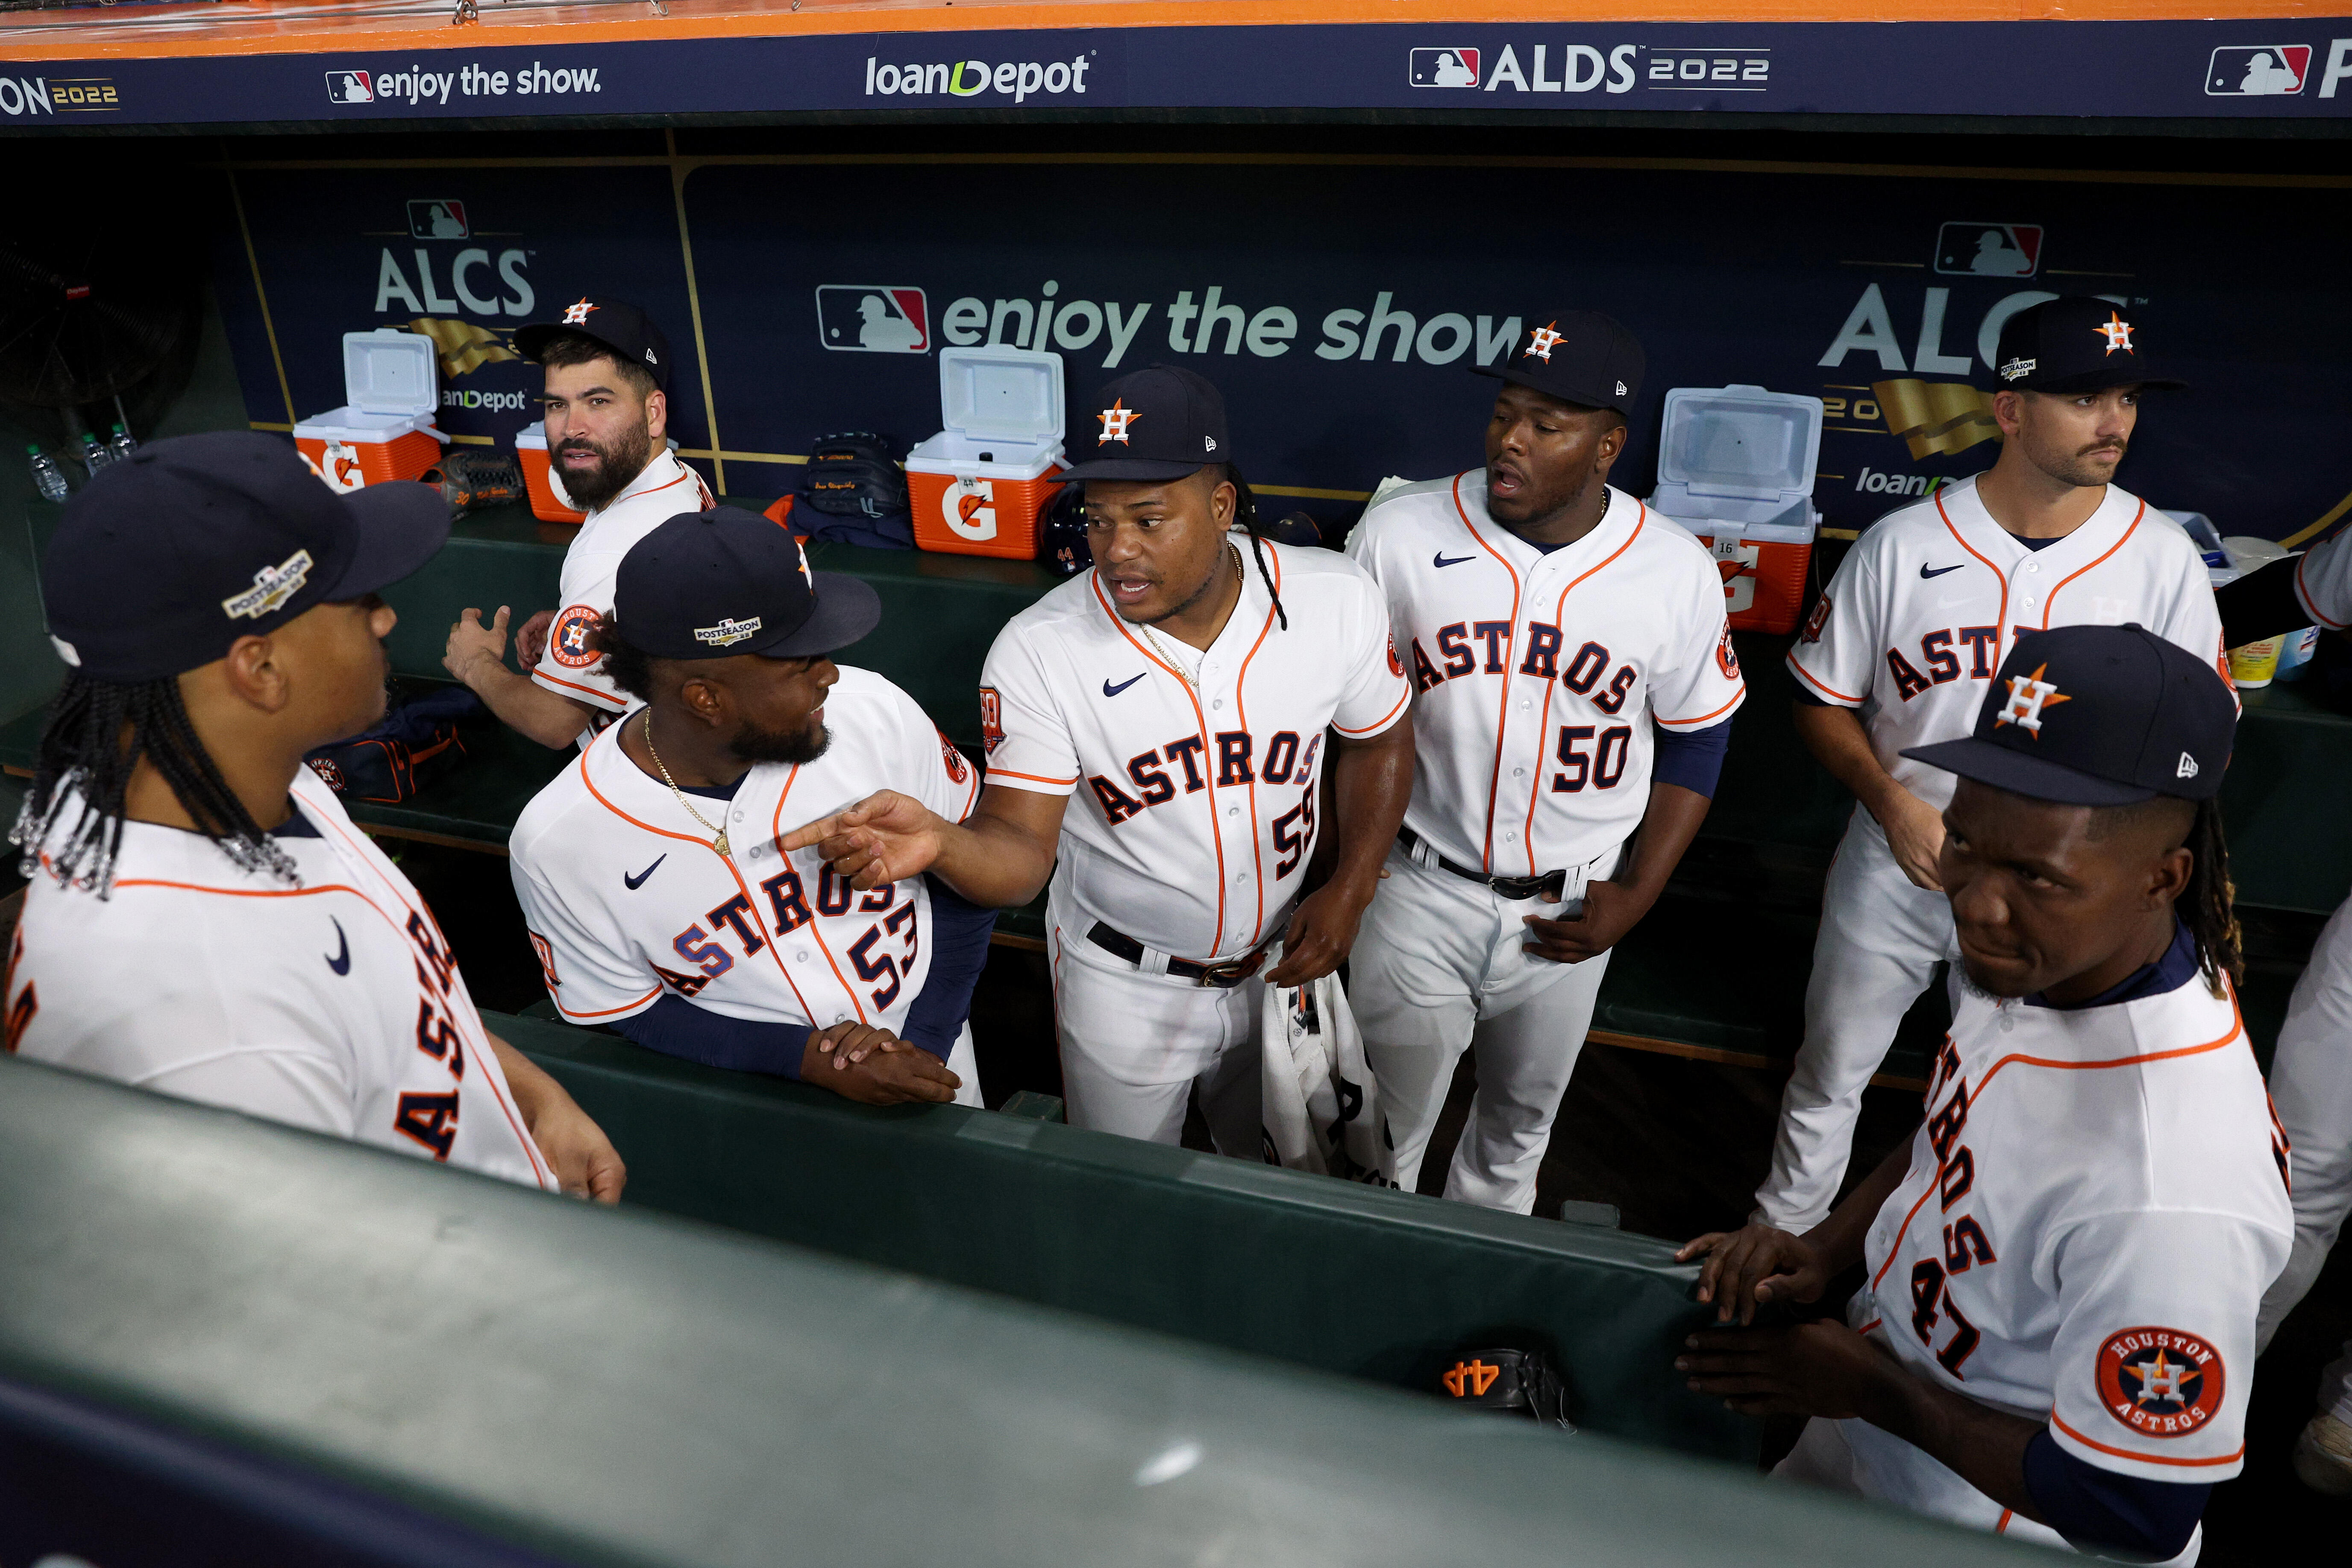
{"points": [[648, 869], [1183, 692], [2055, 1338], [1900, 650], [2311, 1074], [204, 920], [607, 411], [1574, 686]]}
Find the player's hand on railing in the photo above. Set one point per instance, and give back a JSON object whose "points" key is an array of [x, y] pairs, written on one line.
{"points": [[1610, 910], [1821, 1368], [887, 836], [1752, 1265], [873, 1066], [531, 640], [469, 640]]}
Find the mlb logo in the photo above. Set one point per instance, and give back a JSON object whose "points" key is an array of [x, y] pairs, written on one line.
{"points": [[1988, 250], [2257, 70], [350, 86], [873, 318], [439, 220], [1442, 67]]}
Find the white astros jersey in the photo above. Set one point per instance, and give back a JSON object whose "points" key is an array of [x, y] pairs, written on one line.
{"points": [[1195, 813], [625, 897], [2323, 582], [568, 667], [2094, 1206], [334, 1004], [1918, 614], [1536, 674]]}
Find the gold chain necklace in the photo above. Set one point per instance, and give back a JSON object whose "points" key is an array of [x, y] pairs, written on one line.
{"points": [[717, 843], [1168, 656]]}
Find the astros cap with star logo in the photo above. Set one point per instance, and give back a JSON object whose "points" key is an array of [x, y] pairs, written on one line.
{"points": [[1160, 423], [2098, 716], [620, 326], [1582, 357], [2076, 344]]}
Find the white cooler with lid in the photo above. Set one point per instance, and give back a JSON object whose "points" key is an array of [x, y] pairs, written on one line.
{"points": [[979, 486], [1736, 467], [384, 431]]}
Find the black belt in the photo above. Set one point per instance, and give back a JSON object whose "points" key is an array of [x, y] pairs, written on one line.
{"points": [[1550, 885], [1223, 976]]}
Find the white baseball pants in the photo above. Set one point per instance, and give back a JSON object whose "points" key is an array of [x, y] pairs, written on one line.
{"points": [[2310, 1088], [1133, 1045], [1440, 966], [1879, 941]]}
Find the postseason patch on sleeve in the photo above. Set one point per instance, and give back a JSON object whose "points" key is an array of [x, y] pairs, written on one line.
{"points": [[992, 720], [2159, 1382]]}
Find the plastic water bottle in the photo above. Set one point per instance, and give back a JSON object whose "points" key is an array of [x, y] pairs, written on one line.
{"points": [[119, 445], [47, 478], [93, 456]]}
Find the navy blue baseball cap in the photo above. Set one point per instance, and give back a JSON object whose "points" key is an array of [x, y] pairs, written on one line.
{"points": [[2072, 345], [167, 557], [620, 326], [1577, 356], [2098, 716], [710, 585], [1162, 422]]}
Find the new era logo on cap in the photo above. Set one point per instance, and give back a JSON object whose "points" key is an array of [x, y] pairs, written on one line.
{"points": [[2188, 768]]}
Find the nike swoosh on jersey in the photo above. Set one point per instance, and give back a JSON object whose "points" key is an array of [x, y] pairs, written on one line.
{"points": [[341, 962], [1439, 559], [1927, 571], [638, 881], [1112, 691]]}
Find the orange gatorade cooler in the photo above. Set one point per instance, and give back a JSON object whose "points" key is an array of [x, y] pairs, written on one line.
{"points": [[384, 431], [1736, 467], [548, 504], [978, 486]]}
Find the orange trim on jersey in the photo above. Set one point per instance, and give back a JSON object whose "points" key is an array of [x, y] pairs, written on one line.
{"points": [[1543, 720], [2051, 598], [1896, 1246], [2229, 1459], [2006, 1515], [1032, 777], [1503, 705], [1816, 682], [1382, 723], [1094, 581], [2304, 593], [2001, 620], [1241, 713], [601, 699], [606, 1012], [1870, 1325], [776, 826], [1705, 717]]}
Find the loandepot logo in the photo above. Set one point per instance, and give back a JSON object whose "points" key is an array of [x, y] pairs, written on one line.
{"points": [[1017, 79]]}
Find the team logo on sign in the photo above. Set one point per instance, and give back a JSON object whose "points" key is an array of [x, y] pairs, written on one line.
{"points": [[728, 633], [1442, 67], [2258, 70], [2028, 696], [2117, 333], [568, 639], [873, 318], [1988, 250], [577, 314], [2161, 1383], [1541, 340], [272, 587], [1115, 421], [1470, 1379], [992, 721]]}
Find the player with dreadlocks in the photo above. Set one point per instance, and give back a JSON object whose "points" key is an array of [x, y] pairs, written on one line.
{"points": [[204, 920], [1184, 695], [2063, 1268]]}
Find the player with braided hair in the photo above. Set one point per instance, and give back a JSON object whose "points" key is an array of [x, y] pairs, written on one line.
{"points": [[1185, 696], [204, 920]]}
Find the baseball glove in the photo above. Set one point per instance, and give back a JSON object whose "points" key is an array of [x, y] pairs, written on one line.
{"points": [[470, 481], [853, 475], [1510, 1383]]}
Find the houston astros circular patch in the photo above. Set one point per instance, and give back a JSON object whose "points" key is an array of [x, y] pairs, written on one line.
{"points": [[2161, 1383], [568, 638]]}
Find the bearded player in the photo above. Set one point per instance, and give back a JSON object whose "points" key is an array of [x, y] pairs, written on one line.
{"points": [[1185, 691], [607, 412], [1574, 691], [1900, 651], [204, 920], [2055, 1338]]}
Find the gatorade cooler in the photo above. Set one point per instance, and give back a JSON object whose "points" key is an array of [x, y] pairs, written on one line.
{"points": [[1736, 467], [979, 486], [385, 432], [548, 504]]}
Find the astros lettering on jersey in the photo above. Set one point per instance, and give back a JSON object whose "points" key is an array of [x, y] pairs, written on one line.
{"points": [[1534, 671], [1197, 810], [334, 1004], [1920, 613], [568, 667], [625, 897], [2094, 1206]]}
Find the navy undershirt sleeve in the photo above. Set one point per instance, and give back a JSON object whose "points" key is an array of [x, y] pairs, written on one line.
{"points": [[1692, 759], [676, 1027], [2099, 1511], [960, 933]]}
